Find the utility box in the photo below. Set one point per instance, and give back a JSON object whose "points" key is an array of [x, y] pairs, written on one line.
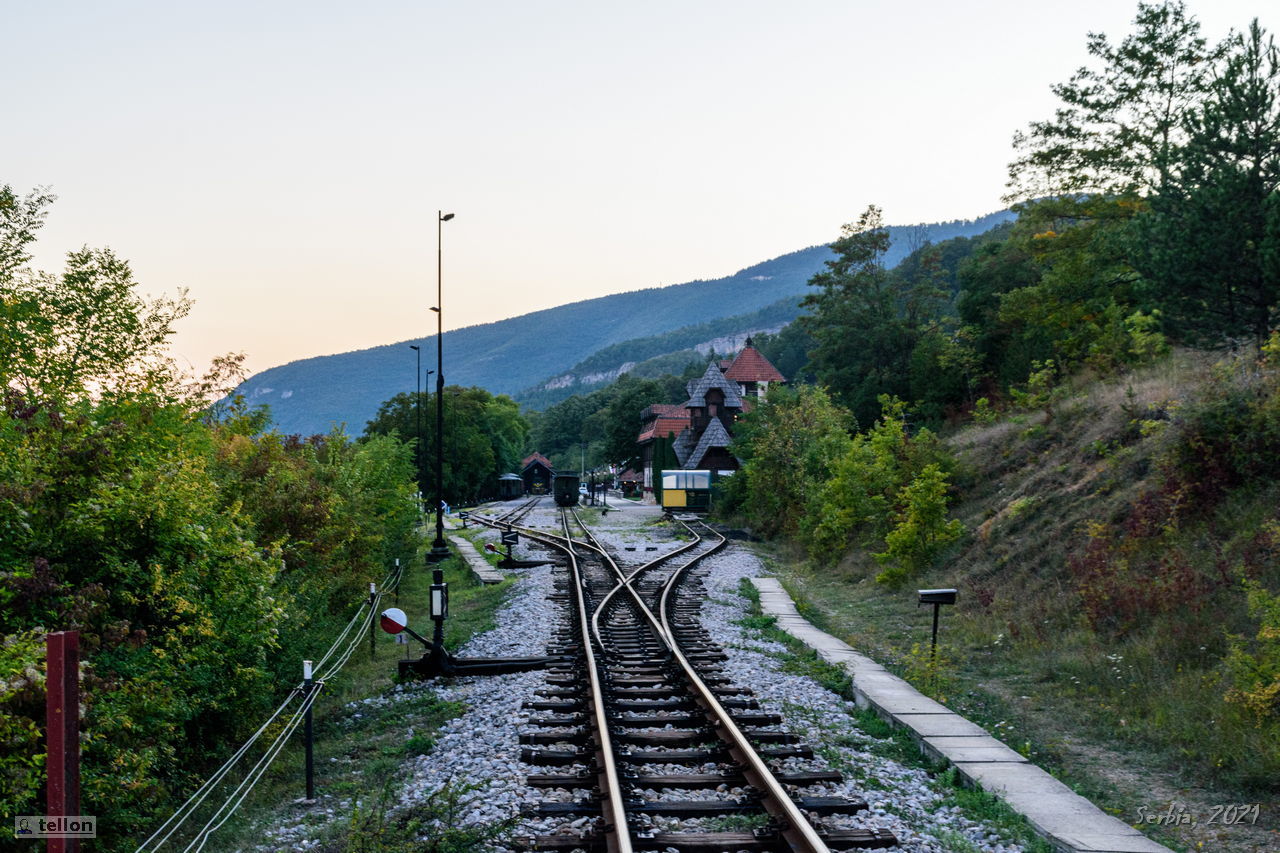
{"points": [[937, 596]]}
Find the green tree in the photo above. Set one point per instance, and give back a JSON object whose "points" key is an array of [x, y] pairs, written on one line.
{"points": [[20, 219], [1211, 241], [1119, 124], [155, 524], [86, 331], [858, 503], [862, 343], [921, 528], [616, 423], [788, 350], [483, 438], [789, 444]]}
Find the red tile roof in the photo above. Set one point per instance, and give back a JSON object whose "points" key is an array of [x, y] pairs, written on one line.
{"points": [[751, 366], [664, 426], [535, 457]]}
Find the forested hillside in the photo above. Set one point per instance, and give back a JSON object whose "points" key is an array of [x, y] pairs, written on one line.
{"points": [[509, 356]]}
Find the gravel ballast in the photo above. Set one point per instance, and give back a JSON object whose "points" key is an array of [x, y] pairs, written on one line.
{"points": [[479, 750]]}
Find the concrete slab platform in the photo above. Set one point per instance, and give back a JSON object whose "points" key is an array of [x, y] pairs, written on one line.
{"points": [[989, 754], [1093, 843], [941, 725], [1067, 820], [1021, 778], [968, 749], [480, 567]]}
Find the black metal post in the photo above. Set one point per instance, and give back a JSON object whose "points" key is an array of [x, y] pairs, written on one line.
{"points": [[437, 660], [439, 549], [933, 649], [437, 636], [308, 735]]}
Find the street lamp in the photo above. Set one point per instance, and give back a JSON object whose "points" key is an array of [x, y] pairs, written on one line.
{"points": [[439, 550]]}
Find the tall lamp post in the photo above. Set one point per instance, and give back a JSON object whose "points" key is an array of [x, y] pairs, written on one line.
{"points": [[439, 550]]}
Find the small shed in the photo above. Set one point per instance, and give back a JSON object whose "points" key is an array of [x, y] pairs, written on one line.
{"points": [[510, 487], [630, 481], [536, 472]]}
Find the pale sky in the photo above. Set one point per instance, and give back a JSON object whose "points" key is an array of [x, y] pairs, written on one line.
{"points": [[284, 161]]}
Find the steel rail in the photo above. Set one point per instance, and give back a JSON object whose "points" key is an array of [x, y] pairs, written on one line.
{"points": [[625, 581], [612, 807], [799, 833]]}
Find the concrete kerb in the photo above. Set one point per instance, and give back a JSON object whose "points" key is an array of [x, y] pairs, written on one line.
{"points": [[480, 567], [1066, 820]]}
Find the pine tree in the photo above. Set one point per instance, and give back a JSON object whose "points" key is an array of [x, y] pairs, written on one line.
{"points": [[1211, 242], [1119, 126]]}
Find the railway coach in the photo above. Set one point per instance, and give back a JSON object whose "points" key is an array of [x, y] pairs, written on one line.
{"points": [[565, 489]]}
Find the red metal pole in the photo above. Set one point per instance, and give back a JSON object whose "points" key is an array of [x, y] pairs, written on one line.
{"points": [[62, 720]]}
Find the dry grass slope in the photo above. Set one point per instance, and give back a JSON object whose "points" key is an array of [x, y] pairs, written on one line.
{"points": [[1102, 582]]}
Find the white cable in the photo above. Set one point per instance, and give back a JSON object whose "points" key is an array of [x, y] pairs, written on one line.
{"points": [[256, 773], [356, 638], [203, 791], [276, 746], [341, 635], [264, 763]]}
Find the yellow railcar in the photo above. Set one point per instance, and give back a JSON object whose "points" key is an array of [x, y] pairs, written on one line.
{"points": [[686, 491]]}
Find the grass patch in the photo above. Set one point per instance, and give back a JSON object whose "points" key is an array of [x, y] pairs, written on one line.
{"points": [[988, 808], [432, 827], [886, 740], [736, 823], [362, 739]]}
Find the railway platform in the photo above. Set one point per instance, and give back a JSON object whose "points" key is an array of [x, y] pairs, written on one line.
{"points": [[1067, 820], [480, 567]]}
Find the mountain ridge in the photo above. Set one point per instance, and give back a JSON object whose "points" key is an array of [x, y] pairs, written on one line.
{"points": [[311, 395]]}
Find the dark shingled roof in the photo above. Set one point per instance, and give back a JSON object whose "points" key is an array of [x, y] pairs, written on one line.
{"points": [[715, 435], [713, 378], [683, 446]]}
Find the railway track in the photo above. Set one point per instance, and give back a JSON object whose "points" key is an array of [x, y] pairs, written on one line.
{"points": [[644, 736]]}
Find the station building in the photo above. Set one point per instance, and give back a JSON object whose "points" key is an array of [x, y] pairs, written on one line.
{"points": [[695, 435], [536, 472]]}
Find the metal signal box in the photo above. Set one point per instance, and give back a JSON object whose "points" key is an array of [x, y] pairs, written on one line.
{"points": [[937, 596]]}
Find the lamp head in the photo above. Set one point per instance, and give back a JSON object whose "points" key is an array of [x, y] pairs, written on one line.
{"points": [[413, 346], [446, 217], [435, 309]]}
